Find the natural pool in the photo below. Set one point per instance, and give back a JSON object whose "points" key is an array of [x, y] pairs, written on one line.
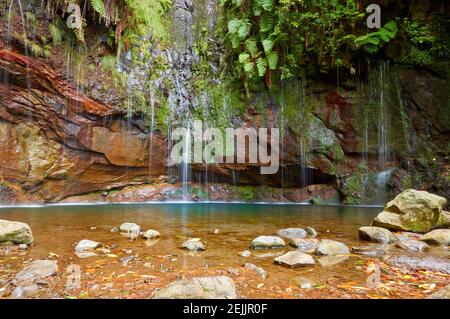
{"points": [[136, 269]]}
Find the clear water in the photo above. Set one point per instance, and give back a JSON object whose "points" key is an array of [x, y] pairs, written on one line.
{"points": [[57, 229]]}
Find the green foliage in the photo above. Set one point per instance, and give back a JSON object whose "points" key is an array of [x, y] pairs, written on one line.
{"points": [[56, 33], [247, 193], [276, 38], [374, 41], [127, 19]]}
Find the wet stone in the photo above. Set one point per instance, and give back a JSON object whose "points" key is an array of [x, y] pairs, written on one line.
{"points": [[193, 244], [306, 245], [295, 259], [292, 233], [266, 242]]}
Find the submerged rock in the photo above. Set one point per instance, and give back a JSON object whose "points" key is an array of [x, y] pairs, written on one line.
{"points": [[311, 231], [328, 261], [260, 271], [131, 230], [245, 253], [266, 242], [377, 234], [217, 287], [328, 247], [304, 283], [86, 245], [16, 232], [151, 234], [25, 291], [292, 233], [416, 263], [295, 259], [438, 237], [412, 210], [413, 245], [369, 250], [36, 270], [193, 244], [305, 245], [444, 293], [86, 254]]}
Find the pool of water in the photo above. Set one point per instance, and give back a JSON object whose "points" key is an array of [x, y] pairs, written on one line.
{"points": [[155, 263]]}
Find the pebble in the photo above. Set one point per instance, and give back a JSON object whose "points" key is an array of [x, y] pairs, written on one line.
{"points": [[245, 253]]}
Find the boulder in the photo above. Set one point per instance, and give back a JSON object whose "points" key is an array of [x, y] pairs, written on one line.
{"points": [[193, 244], [438, 237], [305, 245], [389, 221], [377, 234], [292, 233], [295, 259], [412, 210], [266, 242], [444, 220], [36, 270], [16, 232], [328, 247], [215, 287]]}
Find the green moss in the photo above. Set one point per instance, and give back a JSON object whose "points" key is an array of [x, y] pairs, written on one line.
{"points": [[247, 193]]}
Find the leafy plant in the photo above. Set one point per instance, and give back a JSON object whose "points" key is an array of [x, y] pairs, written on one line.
{"points": [[275, 38], [374, 41]]}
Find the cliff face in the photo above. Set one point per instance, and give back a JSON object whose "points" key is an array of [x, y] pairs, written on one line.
{"points": [[61, 144]]}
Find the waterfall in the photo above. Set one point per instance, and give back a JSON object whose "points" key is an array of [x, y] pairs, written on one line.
{"points": [[383, 127], [186, 162]]}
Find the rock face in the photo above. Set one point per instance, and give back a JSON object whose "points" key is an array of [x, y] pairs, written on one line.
{"points": [[16, 232], [328, 247], [35, 271], [295, 259], [412, 210], [266, 242], [219, 287], [377, 234], [438, 236], [292, 233]]}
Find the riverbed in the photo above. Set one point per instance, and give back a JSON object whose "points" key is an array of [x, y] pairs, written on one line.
{"points": [[138, 268]]}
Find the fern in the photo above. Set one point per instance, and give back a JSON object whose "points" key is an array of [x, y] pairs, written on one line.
{"points": [[266, 4], [261, 65], [99, 7], [267, 45], [252, 47], [272, 60]]}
